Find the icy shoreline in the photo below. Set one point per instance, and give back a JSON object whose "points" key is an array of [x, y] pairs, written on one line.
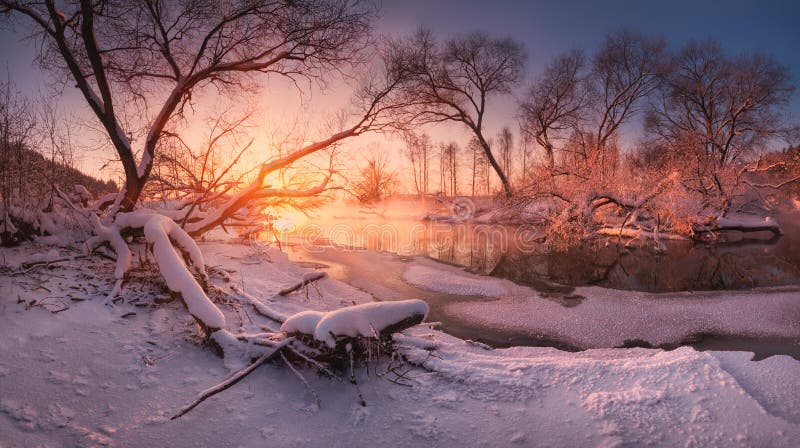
{"points": [[610, 318], [90, 377]]}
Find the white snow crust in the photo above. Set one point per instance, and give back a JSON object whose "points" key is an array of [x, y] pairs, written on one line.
{"points": [[366, 320], [448, 282], [89, 377]]}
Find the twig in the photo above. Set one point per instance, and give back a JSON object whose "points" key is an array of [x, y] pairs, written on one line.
{"points": [[112, 296], [235, 378], [353, 380], [28, 267], [773, 186], [313, 362], [621, 227], [260, 307], [300, 376]]}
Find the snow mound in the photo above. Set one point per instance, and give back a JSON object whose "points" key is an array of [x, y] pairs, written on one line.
{"points": [[303, 322], [85, 377], [774, 382], [633, 397], [447, 282], [367, 320]]}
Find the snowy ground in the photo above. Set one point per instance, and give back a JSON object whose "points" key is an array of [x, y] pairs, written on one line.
{"points": [[88, 376], [605, 317]]}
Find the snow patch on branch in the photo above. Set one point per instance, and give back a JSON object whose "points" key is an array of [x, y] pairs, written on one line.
{"points": [[627, 232], [146, 161], [367, 320], [158, 230], [112, 235], [750, 224], [303, 322], [165, 235]]}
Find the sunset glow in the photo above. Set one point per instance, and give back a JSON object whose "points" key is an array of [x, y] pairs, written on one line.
{"points": [[360, 223]]}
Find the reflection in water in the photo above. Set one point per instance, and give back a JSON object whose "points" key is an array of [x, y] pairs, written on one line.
{"points": [[684, 267], [520, 254]]}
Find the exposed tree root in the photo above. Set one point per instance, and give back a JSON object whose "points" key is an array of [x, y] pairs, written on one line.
{"points": [[362, 332]]}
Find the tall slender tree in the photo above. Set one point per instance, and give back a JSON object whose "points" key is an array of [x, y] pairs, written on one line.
{"points": [[452, 81]]}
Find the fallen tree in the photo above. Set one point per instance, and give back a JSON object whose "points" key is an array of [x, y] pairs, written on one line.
{"points": [[327, 340]]}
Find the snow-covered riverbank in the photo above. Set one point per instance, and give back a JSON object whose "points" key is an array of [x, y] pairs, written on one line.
{"points": [[604, 317], [94, 375]]}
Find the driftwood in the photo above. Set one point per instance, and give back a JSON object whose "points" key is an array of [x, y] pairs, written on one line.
{"points": [[749, 226], [628, 232], [308, 279]]}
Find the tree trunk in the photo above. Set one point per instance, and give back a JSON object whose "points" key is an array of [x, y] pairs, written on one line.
{"points": [[474, 169], [496, 166]]}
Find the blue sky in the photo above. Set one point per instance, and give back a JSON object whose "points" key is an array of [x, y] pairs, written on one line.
{"points": [[546, 29], [549, 28]]}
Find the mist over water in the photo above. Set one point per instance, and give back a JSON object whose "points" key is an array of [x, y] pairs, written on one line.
{"points": [[372, 249], [522, 254]]}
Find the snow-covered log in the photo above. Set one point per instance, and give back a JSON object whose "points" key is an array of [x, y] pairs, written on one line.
{"points": [[627, 232], [747, 224], [369, 320], [112, 235]]}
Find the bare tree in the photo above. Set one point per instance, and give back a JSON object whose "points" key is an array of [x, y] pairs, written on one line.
{"points": [[624, 71], [453, 81], [418, 150], [162, 52], [443, 177], [55, 144], [716, 107], [17, 125], [376, 180], [450, 152], [480, 167], [713, 110], [505, 146], [553, 103], [525, 152], [448, 169]]}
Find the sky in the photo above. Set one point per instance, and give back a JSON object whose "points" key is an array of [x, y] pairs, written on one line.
{"points": [[549, 28], [545, 28]]}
